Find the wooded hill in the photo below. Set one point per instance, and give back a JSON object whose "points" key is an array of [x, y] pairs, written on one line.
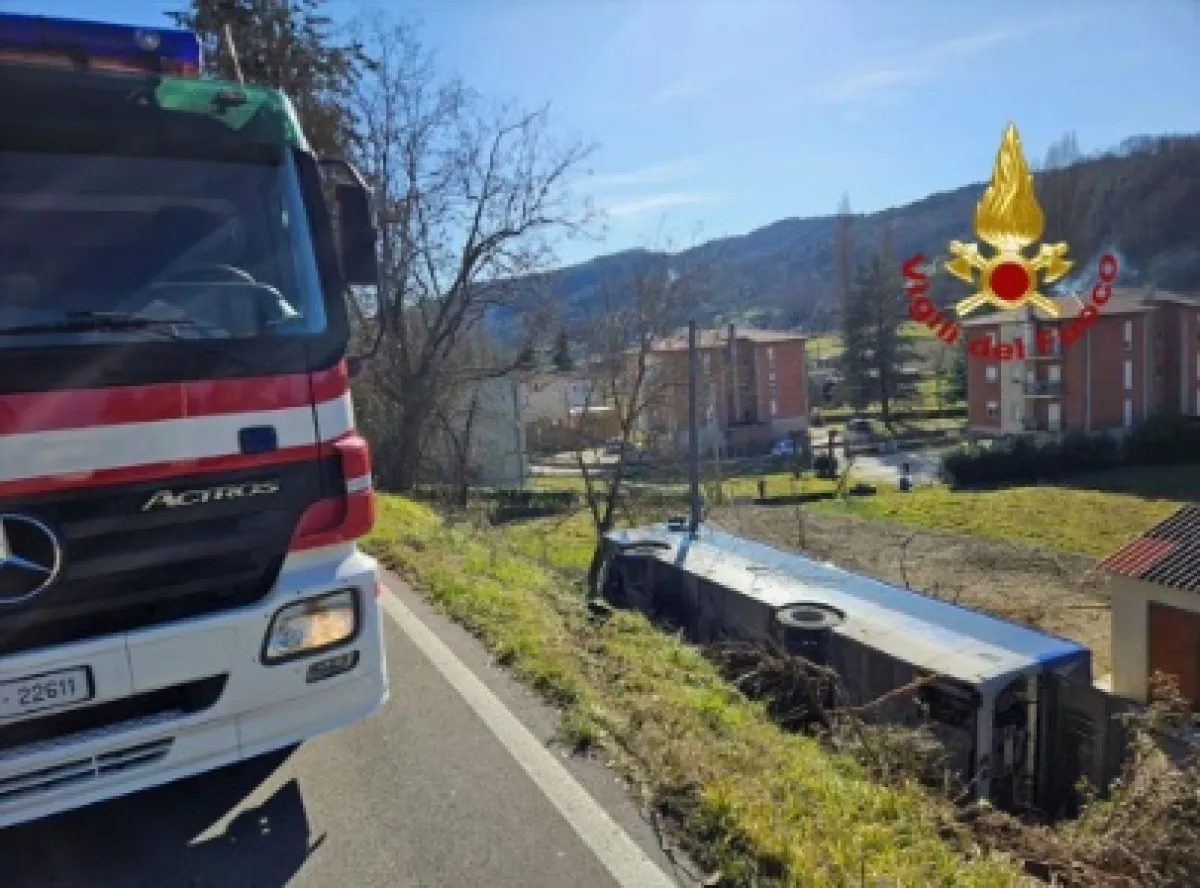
{"points": [[1141, 200]]}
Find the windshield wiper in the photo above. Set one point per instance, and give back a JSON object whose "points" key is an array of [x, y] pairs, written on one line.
{"points": [[86, 321]]}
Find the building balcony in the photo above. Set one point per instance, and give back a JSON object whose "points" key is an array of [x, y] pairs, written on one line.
{"points": [[1042, 388], [1053, 352], [1031, 424]]}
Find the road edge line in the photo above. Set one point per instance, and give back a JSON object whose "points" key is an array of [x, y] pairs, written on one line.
{"points": [[624, 859]]}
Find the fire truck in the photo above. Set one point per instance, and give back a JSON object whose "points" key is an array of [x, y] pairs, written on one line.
{"points": [[181, 481]]}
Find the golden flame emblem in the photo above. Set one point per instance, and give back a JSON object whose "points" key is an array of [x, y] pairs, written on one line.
{"points": [[1008, 218]]}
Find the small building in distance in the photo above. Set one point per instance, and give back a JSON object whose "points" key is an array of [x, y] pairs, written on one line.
{"points": [[751, 389], [480, 435], [565, 410]]}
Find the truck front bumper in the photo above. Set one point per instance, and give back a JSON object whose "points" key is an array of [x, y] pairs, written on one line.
{"points": [[240, 707]]}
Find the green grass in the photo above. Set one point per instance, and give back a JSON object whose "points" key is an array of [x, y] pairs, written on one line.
{"points": [[766, 808], [778, 483], [1093, 516], [826, 345]]}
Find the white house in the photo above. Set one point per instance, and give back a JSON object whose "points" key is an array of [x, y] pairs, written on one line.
{"points": [[486, 419]]}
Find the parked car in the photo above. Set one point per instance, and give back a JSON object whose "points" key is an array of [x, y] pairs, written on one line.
{"points": [[858, 430], [783, 447]]}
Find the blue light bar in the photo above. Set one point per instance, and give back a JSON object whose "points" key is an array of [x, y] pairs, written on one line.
{"points": [[45, 40]]}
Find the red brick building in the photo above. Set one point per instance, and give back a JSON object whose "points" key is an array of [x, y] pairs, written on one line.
{"points": [[751, 388], [1140, 357]]}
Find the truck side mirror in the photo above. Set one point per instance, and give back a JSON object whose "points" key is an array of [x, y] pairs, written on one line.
{"points": [[357, 236]]}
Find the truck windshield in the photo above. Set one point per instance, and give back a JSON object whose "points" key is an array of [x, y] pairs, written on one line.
{"points": [[99, 248]]}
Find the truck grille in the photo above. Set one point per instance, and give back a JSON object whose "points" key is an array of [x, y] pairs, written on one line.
{"points": [[83, 770], [99, 719], [127, 568]]}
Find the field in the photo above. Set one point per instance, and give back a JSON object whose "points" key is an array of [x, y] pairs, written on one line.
{"points": [[1093, 516]]}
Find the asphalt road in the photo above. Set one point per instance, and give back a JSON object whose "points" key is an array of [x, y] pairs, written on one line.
{"points": [[435, 790], [887, 467]]}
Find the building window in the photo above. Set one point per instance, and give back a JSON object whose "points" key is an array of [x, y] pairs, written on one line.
{"points": [[771, 377], [1128, 375], [1197, 365], [993, 409], [1127, 413], [706, 360], [774, 407], [1128, 336], [1055, 372], [992, 373], [771, 357]]}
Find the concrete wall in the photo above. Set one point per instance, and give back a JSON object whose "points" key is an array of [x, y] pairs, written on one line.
{"points": [[552, 396], [497, 442]]}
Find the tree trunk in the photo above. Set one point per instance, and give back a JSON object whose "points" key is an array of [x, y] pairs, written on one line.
{"points": [[409, 436]]}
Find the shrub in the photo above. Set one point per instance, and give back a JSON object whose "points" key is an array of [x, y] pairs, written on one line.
{"points": [[825, 466], [1157, 441], [1163, 440]]}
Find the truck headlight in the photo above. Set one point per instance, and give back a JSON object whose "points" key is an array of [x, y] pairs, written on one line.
{"points": [[313, 625]]}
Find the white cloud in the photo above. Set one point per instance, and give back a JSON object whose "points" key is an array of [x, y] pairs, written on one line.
{"points": [[649, 203], [683, 89], [915, 67], [654, 174]]}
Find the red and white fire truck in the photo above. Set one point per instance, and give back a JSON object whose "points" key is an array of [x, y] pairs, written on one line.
{"points": [[181, 480]]}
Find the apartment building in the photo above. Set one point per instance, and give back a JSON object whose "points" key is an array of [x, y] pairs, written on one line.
{"points": [[1139, 357], [751, 388]]}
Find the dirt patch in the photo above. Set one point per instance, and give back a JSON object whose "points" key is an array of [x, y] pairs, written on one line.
{"points": [[1063, 594]]}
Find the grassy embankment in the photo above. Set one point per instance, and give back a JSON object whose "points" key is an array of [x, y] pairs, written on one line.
{"points": [[761, 806]]}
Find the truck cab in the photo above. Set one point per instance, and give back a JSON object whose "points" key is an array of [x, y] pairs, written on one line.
{"points": [[181, 479]]}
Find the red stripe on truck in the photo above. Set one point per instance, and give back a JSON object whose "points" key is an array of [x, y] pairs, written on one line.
{"points": [[116, 405], [158, 471]]}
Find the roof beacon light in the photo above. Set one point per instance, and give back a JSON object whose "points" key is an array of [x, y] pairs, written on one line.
{"points": [[81, 44]]}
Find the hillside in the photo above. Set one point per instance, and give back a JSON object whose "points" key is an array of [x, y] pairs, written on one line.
{"points": [[1141, 200]]}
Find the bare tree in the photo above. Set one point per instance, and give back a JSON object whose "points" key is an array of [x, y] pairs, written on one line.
{"points": [[1061, 192], [640, 312], [458, 427], [470, 200]]}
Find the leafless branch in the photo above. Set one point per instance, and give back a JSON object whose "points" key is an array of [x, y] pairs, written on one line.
{"points": [[472, 199]]}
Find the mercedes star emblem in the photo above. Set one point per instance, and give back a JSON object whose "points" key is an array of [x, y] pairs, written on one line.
{"points": [[30, 558]]}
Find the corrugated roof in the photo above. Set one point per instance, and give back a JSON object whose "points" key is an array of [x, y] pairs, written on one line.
{"points": [[926, 632], [1167, 554]]}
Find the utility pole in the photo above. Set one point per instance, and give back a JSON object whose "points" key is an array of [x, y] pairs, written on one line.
{"points": [[693, 431]]}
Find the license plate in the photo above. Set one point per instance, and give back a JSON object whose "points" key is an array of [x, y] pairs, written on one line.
{"points": [[47, 691]]}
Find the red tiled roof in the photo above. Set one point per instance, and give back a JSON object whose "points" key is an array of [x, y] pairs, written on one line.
{"points": [[1167, 554]]}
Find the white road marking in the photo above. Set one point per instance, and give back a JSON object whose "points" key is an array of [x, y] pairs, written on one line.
{"points": [[621, 856]]}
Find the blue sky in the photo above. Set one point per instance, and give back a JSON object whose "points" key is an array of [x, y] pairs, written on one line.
{"points": [[714, 118]]}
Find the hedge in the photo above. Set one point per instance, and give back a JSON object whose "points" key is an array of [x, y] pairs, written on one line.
{"points": [[1158, 441]]}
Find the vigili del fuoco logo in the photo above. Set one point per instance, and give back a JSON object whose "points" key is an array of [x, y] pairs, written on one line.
{"points": [[1008, 220]]}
